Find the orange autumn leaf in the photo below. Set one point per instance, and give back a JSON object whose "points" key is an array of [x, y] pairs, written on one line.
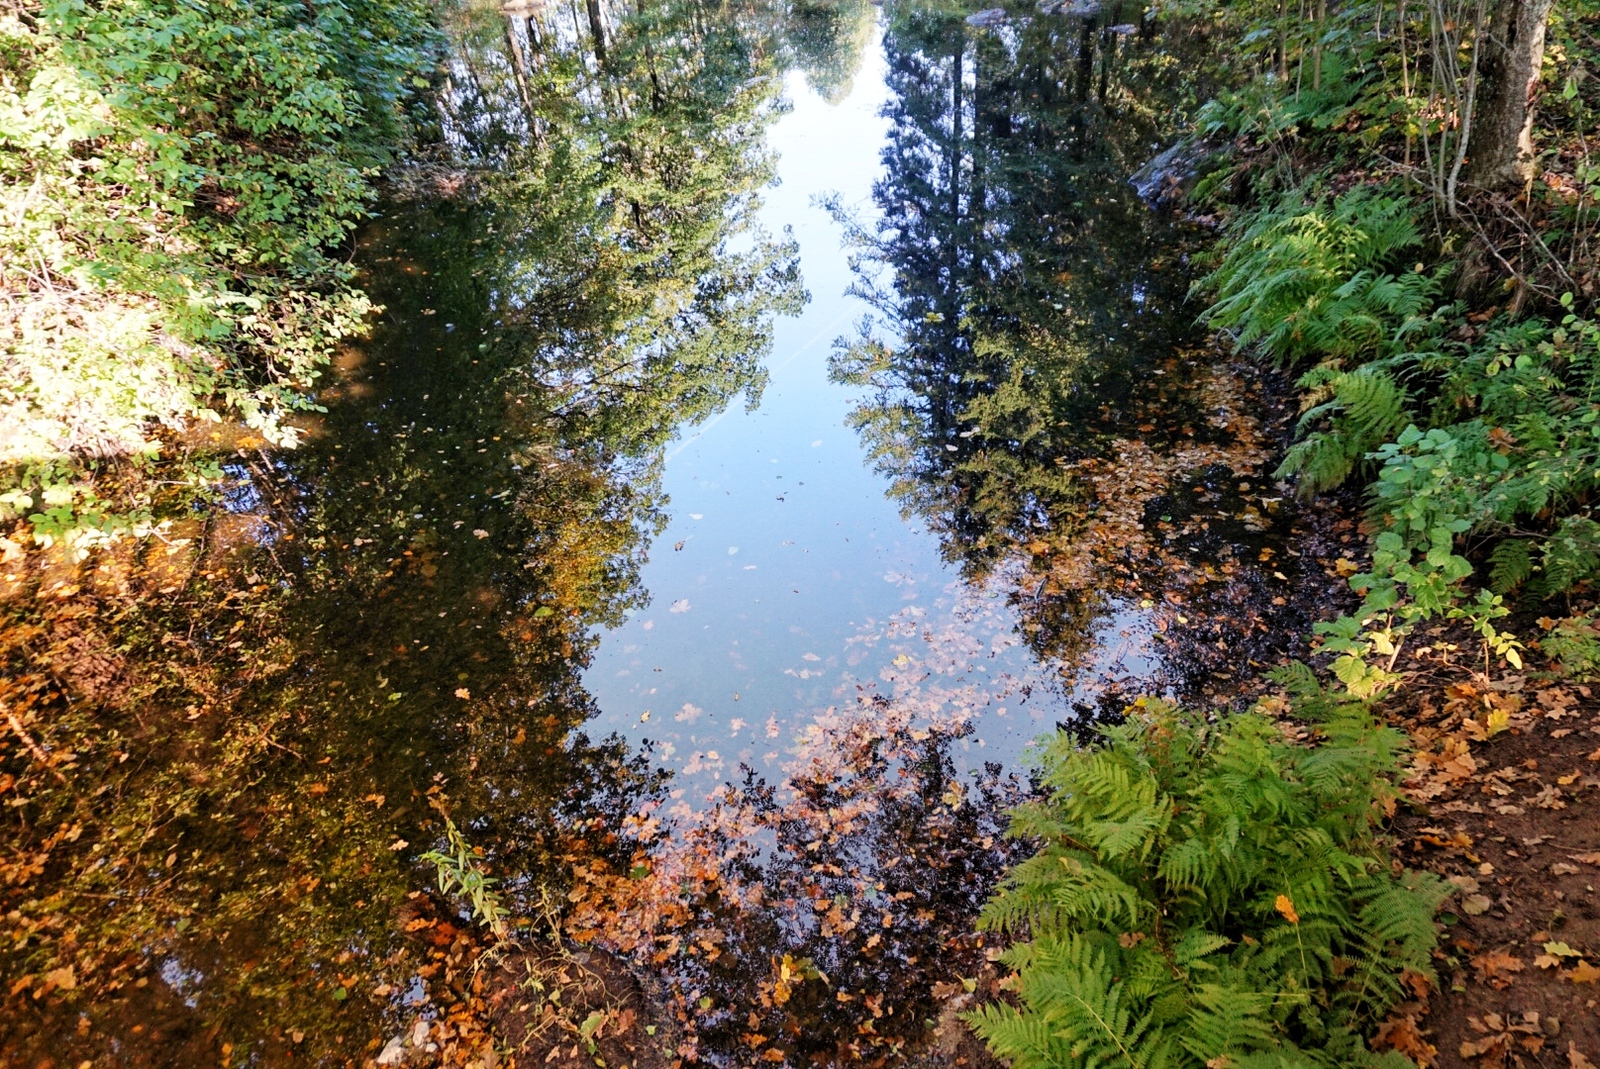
{"points": [[1285, 906], [1400, 1033], [1582, 973], [1495, 968]]}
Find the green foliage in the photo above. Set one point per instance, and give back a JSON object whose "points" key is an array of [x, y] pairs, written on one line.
{"points": [[1521, 469], [1322, 281], [1364, 407], [175, 178], [1575, 644], [1328, 283], [1210, 893], [460, 873]]}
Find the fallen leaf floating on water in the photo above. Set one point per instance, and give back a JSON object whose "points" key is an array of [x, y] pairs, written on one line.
{"points": [[463, 693]]}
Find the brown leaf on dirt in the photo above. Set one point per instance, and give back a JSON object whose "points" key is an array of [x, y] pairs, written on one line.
{"points": [[1549, 798], [1575, 1058], [1419, 983], [1582, 973], [1492, 1049], [1401, 1033], [1495, 968]]}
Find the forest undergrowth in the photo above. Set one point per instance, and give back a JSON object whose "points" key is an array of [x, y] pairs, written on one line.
{"points": [[1406, 205]]}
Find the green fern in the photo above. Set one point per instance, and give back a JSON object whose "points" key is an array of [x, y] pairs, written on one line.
{"points": [[1351, 414], [1209, 894], [1302, 281]]}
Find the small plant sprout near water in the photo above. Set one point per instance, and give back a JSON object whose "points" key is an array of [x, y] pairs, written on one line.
{"points": [[460, 875]]}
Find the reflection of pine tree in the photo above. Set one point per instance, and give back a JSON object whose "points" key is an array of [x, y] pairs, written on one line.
{"points": [[827, 40], [620, 220], [1020, 308]]}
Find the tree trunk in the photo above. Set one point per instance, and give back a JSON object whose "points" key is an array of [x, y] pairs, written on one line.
{"points": [[597, 31], [1502, 130]]}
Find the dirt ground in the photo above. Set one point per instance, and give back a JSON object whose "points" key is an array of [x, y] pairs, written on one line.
{"points": [[1502, 799]]}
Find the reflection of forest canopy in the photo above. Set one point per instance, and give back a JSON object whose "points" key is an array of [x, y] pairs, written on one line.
{"points": [[827, 40], [463, 537], [1025, 307], [1014, 250], [627, 234]]}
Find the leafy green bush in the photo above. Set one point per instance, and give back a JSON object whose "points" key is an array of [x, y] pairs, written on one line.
{"points": [[1211, 894], [176, 178], [1574, 643], [1321, 281]]}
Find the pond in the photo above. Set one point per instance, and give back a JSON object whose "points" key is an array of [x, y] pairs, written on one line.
{"points": [[779, 418]]}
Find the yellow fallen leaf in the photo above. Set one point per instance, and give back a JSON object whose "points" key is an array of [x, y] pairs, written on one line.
{"points": [[1285, 905], [1582, 973]]}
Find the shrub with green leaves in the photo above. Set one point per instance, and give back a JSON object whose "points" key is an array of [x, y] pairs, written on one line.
{"points": [[1211, 894], [1321, 280], [176, 176]]}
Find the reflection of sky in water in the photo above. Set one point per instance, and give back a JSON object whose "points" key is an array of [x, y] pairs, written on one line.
{"points": [[787, 582]]}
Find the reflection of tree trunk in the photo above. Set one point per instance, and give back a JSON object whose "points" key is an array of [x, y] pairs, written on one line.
{"points": [[597, 31], [657, 97], [1513, 52], [984, 131], [1080, 89], [519, 71], [955, 143], [1108, 51]]}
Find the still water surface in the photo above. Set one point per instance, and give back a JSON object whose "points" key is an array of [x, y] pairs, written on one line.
{"points": [[788, 580], [715, 686]]}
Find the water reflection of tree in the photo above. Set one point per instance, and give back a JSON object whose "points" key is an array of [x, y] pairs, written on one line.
{"points": [[811, 923], [827, 40], [1027, 301], [391, 623]]}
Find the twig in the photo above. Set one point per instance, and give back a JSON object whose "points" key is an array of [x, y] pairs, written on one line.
{"points": [[39, 752]]}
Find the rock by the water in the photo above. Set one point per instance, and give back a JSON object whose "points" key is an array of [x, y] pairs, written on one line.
{"points": [[1077, 9], [1164, 180]]}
